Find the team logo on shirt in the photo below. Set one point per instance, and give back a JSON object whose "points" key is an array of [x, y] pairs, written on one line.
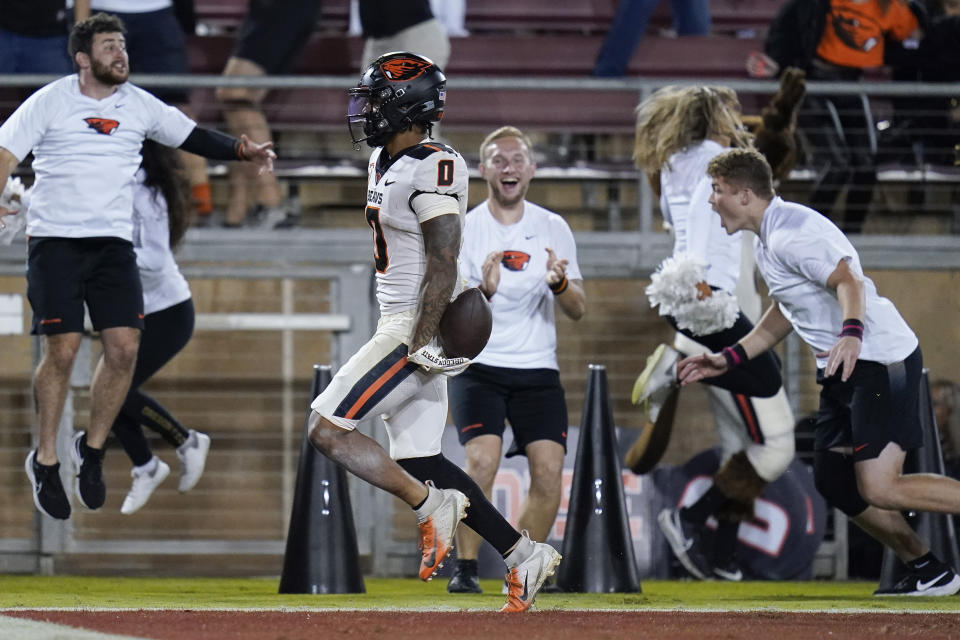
{"points": [[516, 260], [403, 69], [105, 126]]}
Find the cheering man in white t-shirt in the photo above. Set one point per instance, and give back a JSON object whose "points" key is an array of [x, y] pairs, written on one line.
{"points": [[85, 131], [524, 259], [868, 365]]}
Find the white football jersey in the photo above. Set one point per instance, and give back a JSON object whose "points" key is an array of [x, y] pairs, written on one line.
{"points": [[86, 154], [394, 215], [684, 200], [163, 284], [524, 333]]}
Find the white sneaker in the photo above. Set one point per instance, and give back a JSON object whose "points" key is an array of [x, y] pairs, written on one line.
{"points": [[683, 545], [438, 530], [193, 457], [525, 580], [144, 484], [660, 373]]}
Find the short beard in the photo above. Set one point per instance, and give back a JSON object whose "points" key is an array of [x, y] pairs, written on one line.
{"points": [[504, 202], [105, 74]]}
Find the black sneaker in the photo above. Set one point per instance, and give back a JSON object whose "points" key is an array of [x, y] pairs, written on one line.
{"points": [[48, 493], [88, 464], [946, 582], [685, 543], [464, 578]]}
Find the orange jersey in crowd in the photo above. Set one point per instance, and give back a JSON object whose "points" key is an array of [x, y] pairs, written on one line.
{"points": [[854, 33]]}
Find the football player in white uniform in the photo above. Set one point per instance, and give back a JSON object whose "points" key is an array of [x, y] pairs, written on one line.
{"points": [[869, 366], [416, 198], [85, 131]]}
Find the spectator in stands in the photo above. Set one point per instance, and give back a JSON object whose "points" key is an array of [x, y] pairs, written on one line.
{"points": [[924, 128], [869, 366], [271, 37], [33, 35], [690, 18], [945, 395], [836, 40], [161, 215], [679, 130], [86, 131], [524, 259], [402, 25], [156, 43]]}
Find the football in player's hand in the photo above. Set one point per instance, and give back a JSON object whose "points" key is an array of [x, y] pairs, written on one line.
{"points": [[465, 325]]}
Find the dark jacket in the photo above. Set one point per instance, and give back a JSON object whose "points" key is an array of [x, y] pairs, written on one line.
{"points": [[795, 33]]}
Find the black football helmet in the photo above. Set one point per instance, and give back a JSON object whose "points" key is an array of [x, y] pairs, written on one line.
{"points": [[397, 90]]}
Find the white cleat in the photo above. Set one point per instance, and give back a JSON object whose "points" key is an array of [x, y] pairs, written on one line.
{"points": [[438, 531], [525, 580]]}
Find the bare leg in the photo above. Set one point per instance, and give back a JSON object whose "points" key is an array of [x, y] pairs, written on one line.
{"points": [[483, 460], [882, 485], [365, 458], [890, 528], [111, 381], [543, 499], [243, 115], [50, 384]]}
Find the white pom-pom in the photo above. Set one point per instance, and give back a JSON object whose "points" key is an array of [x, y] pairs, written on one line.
{"points": [[679, 289]]}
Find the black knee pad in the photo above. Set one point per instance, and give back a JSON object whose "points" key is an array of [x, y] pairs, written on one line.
{"points": [[836, 481]]}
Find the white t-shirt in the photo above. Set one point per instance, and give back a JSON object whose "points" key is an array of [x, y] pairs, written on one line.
{"points": [[684, 201], [797, 250], [86, 154], [398, 201], [163, 284], [524, 332]]}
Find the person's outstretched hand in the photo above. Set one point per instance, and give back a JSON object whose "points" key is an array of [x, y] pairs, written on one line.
{"points": [[699, 367], [260, 153]]}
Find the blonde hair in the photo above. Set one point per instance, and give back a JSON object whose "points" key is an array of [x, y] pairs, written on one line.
{"points": [[504, 132], [676, 117]]}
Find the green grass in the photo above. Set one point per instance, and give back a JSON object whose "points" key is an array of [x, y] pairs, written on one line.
{"points": [[261, 593]]}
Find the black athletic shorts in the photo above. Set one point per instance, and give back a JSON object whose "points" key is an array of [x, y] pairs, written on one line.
{"points": [[483, 398], [65, 273], [274, 32], [879, 404]]}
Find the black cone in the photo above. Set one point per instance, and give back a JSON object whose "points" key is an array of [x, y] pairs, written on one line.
{"points": [[321, 554], [936, 529], [597, 545]]}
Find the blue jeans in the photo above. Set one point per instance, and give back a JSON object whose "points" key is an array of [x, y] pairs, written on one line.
{"points": [[690, 18], [27, 54]]}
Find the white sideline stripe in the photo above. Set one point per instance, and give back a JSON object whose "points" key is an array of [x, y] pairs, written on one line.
{"points": [[487, 607], [35, 630]]}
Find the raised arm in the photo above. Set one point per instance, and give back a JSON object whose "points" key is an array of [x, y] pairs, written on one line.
{"points": [[441, 244], [772, 328]]}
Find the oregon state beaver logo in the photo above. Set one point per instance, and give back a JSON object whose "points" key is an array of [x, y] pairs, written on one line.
{"points": [[516, 260], [403, 69], [102, 125]]}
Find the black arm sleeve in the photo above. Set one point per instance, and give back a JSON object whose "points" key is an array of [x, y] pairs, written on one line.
{"points": [[212, 144]]}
